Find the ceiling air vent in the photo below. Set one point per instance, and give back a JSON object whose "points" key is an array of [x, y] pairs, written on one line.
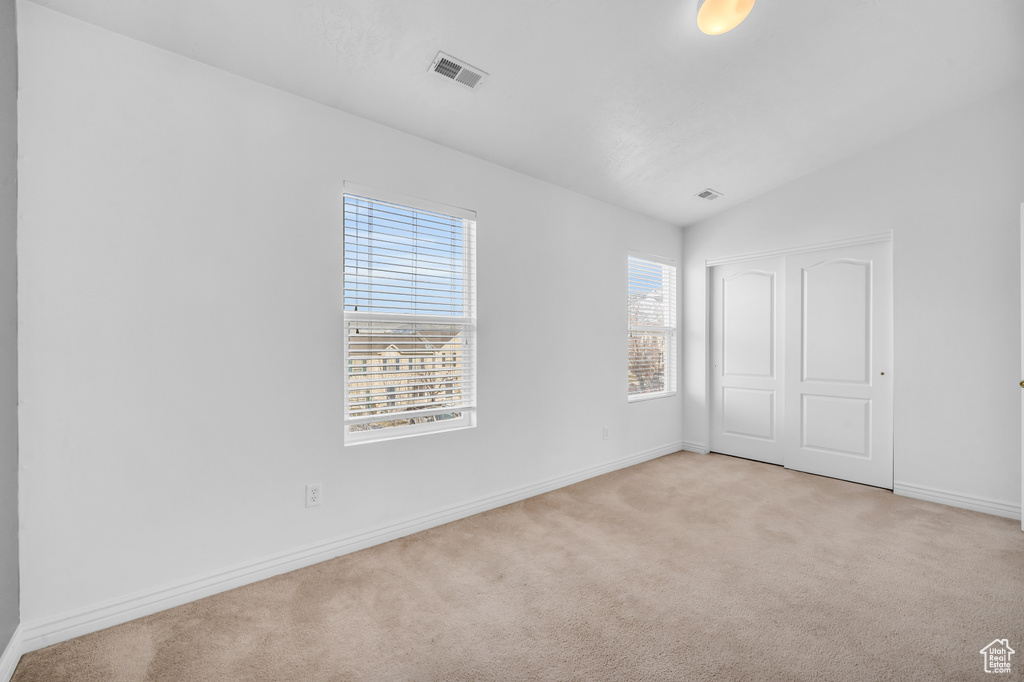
{"points": [[457, 70], [709, 194]]}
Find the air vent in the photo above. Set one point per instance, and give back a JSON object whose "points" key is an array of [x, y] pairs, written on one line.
{"points": [[457, 70], [709, 194]]}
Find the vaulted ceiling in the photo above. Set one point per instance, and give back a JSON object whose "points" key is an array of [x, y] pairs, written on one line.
{"points": [[624, 101]]}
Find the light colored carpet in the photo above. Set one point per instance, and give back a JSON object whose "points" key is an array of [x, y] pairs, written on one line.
{"points": [[688, 567]]}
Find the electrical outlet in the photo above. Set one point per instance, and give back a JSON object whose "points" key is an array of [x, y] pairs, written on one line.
{"points": [[604, 432], [313, 495]]}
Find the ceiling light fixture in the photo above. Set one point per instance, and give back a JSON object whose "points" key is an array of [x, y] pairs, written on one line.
{"points": [[716, 17]]}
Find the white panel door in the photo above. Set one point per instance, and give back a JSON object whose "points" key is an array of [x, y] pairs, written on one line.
{"points": [[746, 359], [839, 363]]}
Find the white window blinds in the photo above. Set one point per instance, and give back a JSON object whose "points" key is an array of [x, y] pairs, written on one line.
{"points": [[410, 319], [651, 323]]}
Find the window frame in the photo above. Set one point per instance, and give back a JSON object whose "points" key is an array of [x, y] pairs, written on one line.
{"points": [[468, 372], [669, 328]]}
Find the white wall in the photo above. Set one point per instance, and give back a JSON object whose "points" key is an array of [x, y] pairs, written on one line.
{"points": [[180, 271], [950, 191], [8, 325]]}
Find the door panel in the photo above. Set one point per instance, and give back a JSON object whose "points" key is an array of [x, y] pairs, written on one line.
{"points": [[748, 318], [748, 412], [745, 372], [836, 425], [836, 306], [801, 354], [839, 387]]}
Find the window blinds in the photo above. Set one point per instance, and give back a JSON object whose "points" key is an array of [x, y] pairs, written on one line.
{"points": [[409, 315], [651, 323]]}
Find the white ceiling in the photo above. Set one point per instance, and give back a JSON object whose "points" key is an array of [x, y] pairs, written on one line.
{"points": [[621, 100]]}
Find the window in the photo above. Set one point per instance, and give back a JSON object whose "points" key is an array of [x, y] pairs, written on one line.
{"points": [[409, 294], [651, 323]]}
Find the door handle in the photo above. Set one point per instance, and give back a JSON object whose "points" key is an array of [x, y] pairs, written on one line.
{"points": [[1022, 384]]}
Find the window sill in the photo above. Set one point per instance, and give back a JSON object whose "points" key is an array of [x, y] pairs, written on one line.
{"points": [[400, 432], [649, 396]]}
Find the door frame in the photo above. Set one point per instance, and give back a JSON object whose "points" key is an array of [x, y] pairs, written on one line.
{"points": [[710, 263]]}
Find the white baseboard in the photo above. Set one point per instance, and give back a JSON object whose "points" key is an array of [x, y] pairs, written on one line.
{"points": [[47, 631], [980, 504], [11, 655], [699, 448]]}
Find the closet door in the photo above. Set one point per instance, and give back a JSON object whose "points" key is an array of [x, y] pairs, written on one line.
{"points": [[838, 377], [747, 359]]}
